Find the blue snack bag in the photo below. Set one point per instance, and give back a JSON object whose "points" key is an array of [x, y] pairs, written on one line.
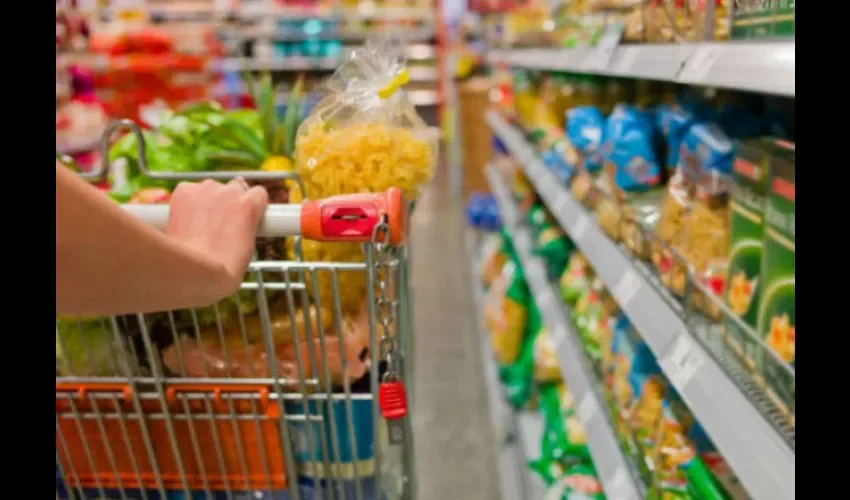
{"points": [[585, 130], [674, 124], [629, 151]]}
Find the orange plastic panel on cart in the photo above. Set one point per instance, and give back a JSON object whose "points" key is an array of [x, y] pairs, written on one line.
{"points": [[237, 438]]}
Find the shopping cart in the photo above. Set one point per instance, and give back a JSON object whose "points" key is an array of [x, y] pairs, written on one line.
{"points": [[283, 398]]}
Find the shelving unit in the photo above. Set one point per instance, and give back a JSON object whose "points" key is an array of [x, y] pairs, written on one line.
{"points": [[517, 433], [766, 67], [617, 474], [759, 450]]}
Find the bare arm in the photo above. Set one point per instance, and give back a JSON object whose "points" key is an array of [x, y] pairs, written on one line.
{"points": [[108, 262]]}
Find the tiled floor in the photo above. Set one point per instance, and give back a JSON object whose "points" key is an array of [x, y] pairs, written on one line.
{"points": [[454, 439]]}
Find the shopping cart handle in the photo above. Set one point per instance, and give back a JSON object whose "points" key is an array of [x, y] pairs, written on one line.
{"points": [[352, 218]]}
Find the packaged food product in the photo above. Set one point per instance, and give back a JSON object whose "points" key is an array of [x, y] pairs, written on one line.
{"points": [[351, 284], [671, 457], [648, 387], [564, 439], [561, 158], [631, 168], [596, 324], [753, 19], [623, 350], [577, 482], [546, 366], [554, 247], [674, 123], [494, 258], [518, 377], [576, 278], [746, 236], [585, 129], [200, 357], [506, 313], [776, 318], [704, 243], [537, 218], [366, 136]]}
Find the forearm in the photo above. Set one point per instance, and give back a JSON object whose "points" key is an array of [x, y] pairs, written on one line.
{"points": [[108, 262]]}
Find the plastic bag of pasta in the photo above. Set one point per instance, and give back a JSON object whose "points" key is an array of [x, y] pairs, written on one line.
{"points": [[365, 136]]}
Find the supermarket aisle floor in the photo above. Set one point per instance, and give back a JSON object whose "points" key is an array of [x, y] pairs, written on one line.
{"points": [[455, 452]]}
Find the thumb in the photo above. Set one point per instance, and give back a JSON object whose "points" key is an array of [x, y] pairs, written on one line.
{"points": [[259, 199]]}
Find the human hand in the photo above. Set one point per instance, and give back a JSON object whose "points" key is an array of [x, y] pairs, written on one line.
{"points": [[219, 221]]}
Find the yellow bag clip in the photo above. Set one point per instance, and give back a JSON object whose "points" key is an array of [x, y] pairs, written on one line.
{"points": [[391, 88]]}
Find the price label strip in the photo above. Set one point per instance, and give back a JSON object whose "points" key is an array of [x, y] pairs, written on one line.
{"points": [[601, 56], [587, 408], [579, 228], [618, 487], [627, 288], [682, 363], [700, 64]]}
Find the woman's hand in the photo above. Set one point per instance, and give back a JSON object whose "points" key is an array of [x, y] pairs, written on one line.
{"points": [[110, 262], [219, 220]]}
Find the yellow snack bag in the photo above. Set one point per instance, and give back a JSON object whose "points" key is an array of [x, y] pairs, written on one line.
{"points": [[506, 313]]}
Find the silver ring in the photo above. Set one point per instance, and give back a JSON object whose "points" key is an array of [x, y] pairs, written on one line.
{"points": [[242, 183]]}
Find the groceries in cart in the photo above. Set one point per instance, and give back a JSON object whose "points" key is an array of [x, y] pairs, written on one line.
{"points": [[274, 388]]}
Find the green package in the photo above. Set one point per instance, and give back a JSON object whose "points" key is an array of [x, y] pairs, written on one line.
{"points": [[555, 248], [746, 235], [575, 279], [518, 377], [776, 318], [537, 218], [563, 440], [578, 482]]}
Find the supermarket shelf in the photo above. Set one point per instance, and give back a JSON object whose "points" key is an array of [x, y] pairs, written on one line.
{"points": [[753, 66], [416, 97], [519, 433], [263, 10], [758, 453], [615, 471], [236, 64], [280, 35]]}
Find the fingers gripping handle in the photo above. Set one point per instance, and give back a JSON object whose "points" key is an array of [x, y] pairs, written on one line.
{"points": [[350, 218]]}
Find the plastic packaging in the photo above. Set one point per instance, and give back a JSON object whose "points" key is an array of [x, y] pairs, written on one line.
{"points": [[506, 313], [209, 357], [546, 367], [564, 439], [365, 135], [576, 278]]}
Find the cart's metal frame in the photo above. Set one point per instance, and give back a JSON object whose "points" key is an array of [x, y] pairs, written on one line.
{"points": [[139, 394]]}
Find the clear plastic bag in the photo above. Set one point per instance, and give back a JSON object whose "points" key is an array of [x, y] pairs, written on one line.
{"points": [[365, 135]]}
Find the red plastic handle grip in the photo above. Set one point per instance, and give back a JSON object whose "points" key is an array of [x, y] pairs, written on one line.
{"points": [[353, 217]]}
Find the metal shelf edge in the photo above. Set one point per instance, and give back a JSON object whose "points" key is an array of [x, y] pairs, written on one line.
{"points": [[755, 451], [757, 66]]}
